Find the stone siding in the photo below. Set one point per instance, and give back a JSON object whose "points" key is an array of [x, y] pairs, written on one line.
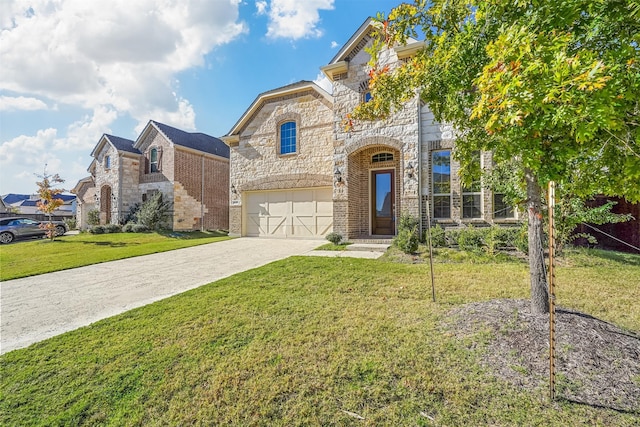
{"points": [[256, 163], [398, 134]]}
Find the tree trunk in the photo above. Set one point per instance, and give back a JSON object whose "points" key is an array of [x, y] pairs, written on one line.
{"points": [[537, 270]]}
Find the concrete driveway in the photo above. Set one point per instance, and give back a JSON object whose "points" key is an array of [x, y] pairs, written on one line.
{"points": [[39, 307]]}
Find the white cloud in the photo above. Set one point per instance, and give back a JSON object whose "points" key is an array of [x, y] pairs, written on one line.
{"points": [[322, 81], [261, 7], [116, 55], [28, 150], [84, 134], [21, 103], [296, 19], [334, 44]]}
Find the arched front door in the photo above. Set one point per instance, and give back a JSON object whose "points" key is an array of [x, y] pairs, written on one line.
{"points": [[105, 205]]}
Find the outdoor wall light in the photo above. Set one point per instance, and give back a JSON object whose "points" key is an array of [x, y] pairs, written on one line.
{"points": [[410, 170], [338, 175]]}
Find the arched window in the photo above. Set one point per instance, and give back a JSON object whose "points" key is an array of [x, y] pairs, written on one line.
{"points": [[153, 160], [381, 157], [288, 138]]}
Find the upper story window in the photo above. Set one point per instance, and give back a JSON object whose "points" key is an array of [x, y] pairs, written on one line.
{"points": [[288, 138], [441, 179], [107, 162], [381, 157], [153, 160], [365, 93]]}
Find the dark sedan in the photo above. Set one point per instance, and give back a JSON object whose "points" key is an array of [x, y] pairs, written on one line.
{"points": [[17, 227]]}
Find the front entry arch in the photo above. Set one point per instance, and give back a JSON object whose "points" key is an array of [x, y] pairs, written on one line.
{"points": [[373, 192]]}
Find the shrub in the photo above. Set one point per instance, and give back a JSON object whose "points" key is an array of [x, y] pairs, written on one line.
{"points": [[407, 239], [139, 228], [334, 238], [113, 228], [96, 229], [407, 222], [71, 223], [521, 241], [128, 227], [451, 236], [131, 215], [93, 217], [470, 239], [153, 213], [438, 239]]}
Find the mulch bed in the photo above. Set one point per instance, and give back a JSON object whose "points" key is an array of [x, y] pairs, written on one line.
{"points": [[597, 363]]}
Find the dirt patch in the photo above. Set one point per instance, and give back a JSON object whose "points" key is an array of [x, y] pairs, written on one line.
{"points": [[597, 363]]}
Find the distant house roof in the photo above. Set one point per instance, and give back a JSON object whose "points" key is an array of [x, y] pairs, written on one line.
{"points": [[196, 141], [12, 198]]}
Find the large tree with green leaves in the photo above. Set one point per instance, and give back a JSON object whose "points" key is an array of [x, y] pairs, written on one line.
{"points": [[553, 86]]}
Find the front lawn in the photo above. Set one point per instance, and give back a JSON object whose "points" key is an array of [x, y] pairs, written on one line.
{"points": [[29, 258], [309, 341]]}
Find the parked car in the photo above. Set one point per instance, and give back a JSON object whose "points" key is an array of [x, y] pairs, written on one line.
{"points": [[17, 227]]}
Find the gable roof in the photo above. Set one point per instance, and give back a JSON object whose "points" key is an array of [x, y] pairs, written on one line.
{"points": [[339, 64], [195, 141], [12, 198], [288, 90], [120, 144], [86, 181]]}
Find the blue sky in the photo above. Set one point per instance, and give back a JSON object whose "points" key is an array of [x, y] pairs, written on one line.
{"points": [[72, 70]]}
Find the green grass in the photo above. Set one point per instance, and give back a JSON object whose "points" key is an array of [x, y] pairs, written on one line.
{"points": [[306, 341], [43, 256], [333, 247]]}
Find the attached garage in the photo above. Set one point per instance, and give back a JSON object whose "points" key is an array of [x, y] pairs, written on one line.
{"points": [[288, 213]]}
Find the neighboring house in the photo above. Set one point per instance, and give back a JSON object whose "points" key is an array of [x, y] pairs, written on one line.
{"points": [[26, 204], [297, 171], [191, 170], [86, 193]]}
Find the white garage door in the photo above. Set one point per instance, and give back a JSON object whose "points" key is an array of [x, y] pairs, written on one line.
{"points": [[289, 213]]}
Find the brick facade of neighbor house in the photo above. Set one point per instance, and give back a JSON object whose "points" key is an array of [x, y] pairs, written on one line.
{"points": [[362, 162], [191, 171]]}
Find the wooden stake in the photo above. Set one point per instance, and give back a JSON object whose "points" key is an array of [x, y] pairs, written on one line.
{"points": [[552, 295]]}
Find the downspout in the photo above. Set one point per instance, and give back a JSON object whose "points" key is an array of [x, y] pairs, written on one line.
{"points": [[202, 195]]}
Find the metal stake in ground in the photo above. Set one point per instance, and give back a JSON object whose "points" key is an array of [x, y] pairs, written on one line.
{"points": [[552, 295], [433, 285]]}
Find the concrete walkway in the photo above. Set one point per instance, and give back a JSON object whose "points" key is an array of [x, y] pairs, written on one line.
{"points": [[39, 307]]}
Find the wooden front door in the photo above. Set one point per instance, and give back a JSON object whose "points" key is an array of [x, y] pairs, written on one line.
{"points": [[383, 201]]}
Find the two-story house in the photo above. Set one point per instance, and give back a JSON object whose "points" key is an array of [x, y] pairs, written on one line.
{"points": [[297, 170], [190, 169]]}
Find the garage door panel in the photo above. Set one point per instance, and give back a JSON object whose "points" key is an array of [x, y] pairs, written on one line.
{"points": [[292, 213]]}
